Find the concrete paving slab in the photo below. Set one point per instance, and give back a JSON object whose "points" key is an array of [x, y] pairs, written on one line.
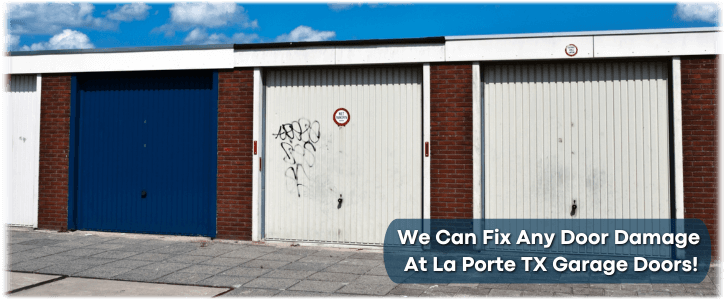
{"points": [[57, 258], [151, 256], [403, 291], [246, 272], [250, 292], [301, 266], [128, 263], [83, 287], [93, 261], [244, 254], [105, 246], [41, 242], [165, 267], [102, 272], [349, 269], [84, 251], [289, 274], [183, 278], [265, 264], [281, 257], [335, 277], [317, 286], [226, 281], [209, 251], [224, 261], [368, 279], [369, 256], [141, 275], [115, 254], [20, 248], [475, 291], [271, 283], [177, 248], [289, 293], [206, 269], [319, 259], [20, 280], [188, 259], [30, 266], [65, 269], [366, 289]]}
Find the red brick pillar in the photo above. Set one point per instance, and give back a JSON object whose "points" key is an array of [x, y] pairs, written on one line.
{"points": [[55, 130], [699, 98], [234, 155], [451, 141]]}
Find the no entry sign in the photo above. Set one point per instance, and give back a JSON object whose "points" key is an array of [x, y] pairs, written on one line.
{"points": [[341, 116]]}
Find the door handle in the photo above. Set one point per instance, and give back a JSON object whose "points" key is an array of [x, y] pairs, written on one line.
{"points": [[340, 201], [143, 194], [574, 208]]}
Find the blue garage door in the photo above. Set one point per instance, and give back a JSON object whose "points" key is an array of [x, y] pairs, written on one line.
{"points": [[144, 152]]}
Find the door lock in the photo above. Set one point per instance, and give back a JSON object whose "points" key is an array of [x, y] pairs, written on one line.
{"points": [[143, 194], [574, 208], [340, 201]]}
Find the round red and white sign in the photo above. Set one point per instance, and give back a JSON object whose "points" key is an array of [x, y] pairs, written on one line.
{"points": [[571, 50], [341, 116]]}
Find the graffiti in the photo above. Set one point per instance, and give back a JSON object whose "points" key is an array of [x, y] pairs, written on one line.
{"points": [[298, 140]]}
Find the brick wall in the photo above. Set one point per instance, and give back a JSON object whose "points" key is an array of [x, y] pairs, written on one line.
{"points": [[234, 155], [451, 141], [55, 130], [699, 96]]}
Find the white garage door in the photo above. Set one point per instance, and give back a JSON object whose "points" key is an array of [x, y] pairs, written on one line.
{"points": [[24, 99], [374, 163], [592, 133]]}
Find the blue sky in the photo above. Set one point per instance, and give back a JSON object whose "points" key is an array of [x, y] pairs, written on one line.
{"points": [[83, 25]]}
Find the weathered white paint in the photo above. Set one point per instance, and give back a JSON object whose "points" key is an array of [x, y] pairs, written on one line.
{"points": [[374, 161], [670, 44], [427, 138], [122, 61], [350, 55], [518, 49], [476, 108], [256, 137], [339, 55], [303, 56], [592, 132], [678, 137], [596, 133], [24, 99]]}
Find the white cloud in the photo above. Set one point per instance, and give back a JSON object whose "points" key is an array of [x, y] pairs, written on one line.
{"points": [[52, 18], [201, 37], [342, 6], [68, 39], [129, 12], [346, 5], [708, 12], [185, 16], [11, 41], [305, 34]]}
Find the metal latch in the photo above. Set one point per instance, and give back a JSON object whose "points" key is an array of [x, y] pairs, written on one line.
{"points": [[143, 194], [574, 208], [340, 201]]}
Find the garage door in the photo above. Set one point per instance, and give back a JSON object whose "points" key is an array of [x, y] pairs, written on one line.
{"points": [[24, 102], [373, 164], [591, 134], [146, 152]]}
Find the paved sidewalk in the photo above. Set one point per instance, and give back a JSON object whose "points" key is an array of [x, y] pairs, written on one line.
{"points": [[265, 270]]}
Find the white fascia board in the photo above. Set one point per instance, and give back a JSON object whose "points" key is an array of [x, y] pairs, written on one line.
{"points": [[387, 54], [122, 61], [670, 44], [518, 49], [304, 56]]}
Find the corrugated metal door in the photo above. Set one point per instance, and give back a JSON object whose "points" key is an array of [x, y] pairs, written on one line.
{"points": [[374, 163], [24, 99], [146, 152], [594, 133]]}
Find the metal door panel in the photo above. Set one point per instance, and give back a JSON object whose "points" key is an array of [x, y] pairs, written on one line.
{"points": [[374, 161]]}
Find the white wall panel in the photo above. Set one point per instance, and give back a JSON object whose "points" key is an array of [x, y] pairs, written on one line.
{"points": [[596, 133], [24, 99], [122, 61], [671, 44], [304, 56], [349, 55], [514, 49], [374, 162]]}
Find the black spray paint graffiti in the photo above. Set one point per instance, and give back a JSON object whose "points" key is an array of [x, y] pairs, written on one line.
{"points": [[298, 140]]}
